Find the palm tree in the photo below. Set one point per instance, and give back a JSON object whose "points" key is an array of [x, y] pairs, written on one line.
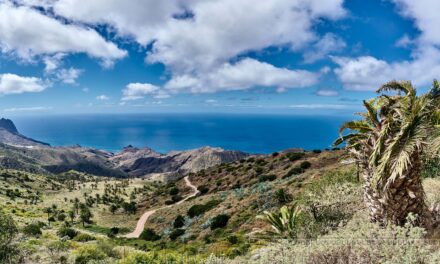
{"points": [[285, 222], [389, 144]]}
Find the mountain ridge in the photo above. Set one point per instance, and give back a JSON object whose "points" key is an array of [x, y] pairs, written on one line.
{"points": [[36, 156]]}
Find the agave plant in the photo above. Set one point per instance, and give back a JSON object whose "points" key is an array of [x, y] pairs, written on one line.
{"points": [[389, 144], [284, 223]]}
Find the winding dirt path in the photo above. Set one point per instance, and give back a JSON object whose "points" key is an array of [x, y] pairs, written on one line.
{"points": [[141, 222]]}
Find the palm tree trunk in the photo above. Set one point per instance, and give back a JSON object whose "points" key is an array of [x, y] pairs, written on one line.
{"points": [[404, 196]]}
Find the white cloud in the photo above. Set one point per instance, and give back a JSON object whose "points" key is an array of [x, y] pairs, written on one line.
{"points": [[242, 75], [68, 76], [220, 30], [326, 92], [213, 34], [27, 109], [139, 19], [328, 44], [135, 91], [426, 18], [14, 84], [368, 73], [102, 97], [27, 33]]}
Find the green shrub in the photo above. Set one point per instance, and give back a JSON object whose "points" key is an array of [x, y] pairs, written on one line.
{"points": [[174, 191], [199, 209], [293, 156], [305, 165], [89, 254], [275, 154], [317, 151], [294, 171], [176, 233], [33, 229], [219, 221], [258, 170], [179, 222], [264, 178], [149, 235], [67, 232], [203, 189], [84, 238]]}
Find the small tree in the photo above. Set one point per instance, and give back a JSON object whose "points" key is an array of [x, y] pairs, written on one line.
{"points": [[85, 215], [8, 231], [219, 221], [179, 222]]}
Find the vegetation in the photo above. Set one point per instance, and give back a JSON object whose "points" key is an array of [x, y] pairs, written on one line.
{"points": [[389, 144], [284, 223]]}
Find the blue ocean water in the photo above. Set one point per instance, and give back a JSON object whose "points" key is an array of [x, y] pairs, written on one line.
{"points": [[166, 132]]}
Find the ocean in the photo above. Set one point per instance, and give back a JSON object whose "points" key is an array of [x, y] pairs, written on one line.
{"points": [[165, 132]]}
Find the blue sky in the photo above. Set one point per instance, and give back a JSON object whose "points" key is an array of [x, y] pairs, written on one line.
{"points": [[276, 56]]}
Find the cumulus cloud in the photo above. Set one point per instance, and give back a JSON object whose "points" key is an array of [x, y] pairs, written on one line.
{"points": [[326, 45], [195, 38], [136, 91], [326, 92], [27, 32], [194, 44], [138, 19], [242, 75], [366, 73], [14, 84], [69, 76]]}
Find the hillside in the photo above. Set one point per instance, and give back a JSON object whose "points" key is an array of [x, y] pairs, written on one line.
{"points": [[321, 183]]}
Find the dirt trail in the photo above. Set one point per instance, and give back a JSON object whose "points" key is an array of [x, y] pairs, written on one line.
{"points": [[141, 222]]}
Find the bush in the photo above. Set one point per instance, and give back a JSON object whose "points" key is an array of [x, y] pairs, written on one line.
{"points": [[275, 154], [176, 198], [294, 171], [174, 191], [219, 221], [293, 156], [305, 165], [176, 233], [89, 254], [67, 232], [179, 222], [203, 189], [199, 209], [317, 151], [33, 229], [84, 238], [270, 177], [258, 170], [149, 235]]}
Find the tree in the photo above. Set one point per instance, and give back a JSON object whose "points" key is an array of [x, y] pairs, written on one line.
{"points": [[8, 232], [219, 221], [48, 211], [179, 222], [389, 144], [85, 215], [284, 223]]}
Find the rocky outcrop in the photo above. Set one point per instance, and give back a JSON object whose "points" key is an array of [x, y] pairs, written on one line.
{"points": [[148, 162], [10, 135]]}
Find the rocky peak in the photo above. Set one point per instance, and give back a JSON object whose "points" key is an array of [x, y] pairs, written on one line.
{"points": [[8, 125]]}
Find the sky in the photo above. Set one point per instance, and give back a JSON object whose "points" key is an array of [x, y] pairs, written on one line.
{"points": [[232, 56]]}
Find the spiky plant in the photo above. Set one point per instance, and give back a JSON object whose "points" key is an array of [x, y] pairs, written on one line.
{"points": [[284, 222], [388, 144]]}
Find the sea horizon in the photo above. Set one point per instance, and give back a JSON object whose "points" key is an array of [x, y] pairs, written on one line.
{"points": [[163, 132]]}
